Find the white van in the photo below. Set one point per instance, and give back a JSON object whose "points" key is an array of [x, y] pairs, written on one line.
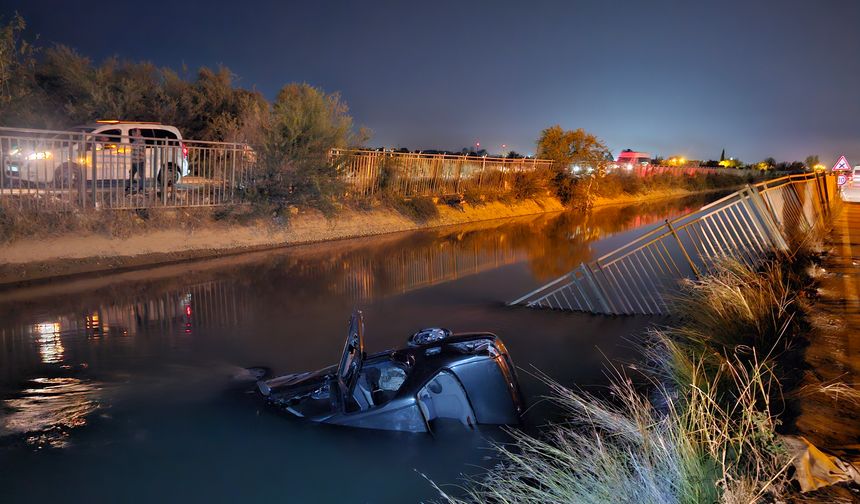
{"points": [[100, 151]]}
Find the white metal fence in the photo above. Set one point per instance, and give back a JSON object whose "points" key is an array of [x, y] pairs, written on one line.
{"points": [[64, 169], [642, 276], [50, 169], [367, 172]]}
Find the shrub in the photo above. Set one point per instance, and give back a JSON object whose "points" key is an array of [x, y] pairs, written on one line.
{"points": [[421, 208], [529, 184], [296, 136]]}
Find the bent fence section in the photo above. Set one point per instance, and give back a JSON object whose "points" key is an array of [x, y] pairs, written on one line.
{"points": [[642, 276]]}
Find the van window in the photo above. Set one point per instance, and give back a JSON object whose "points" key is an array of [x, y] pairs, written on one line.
{"points": [[110, 135], [154, 136]]}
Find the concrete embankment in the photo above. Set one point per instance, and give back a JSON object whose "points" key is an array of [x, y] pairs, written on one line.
{"points": [[52, 256], [44, 257]]}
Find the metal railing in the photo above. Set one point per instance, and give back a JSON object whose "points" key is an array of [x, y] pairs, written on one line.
{"points": [[50, 169], [65, 169], [642, 276], [651, 170], [368, 172]]}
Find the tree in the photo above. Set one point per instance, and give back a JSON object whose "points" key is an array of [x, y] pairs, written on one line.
{"points": [[769, 162], [20, 99], [811, 161], [577, 150], [723, 155], [303, 125], [576, 147], [514, 155]]}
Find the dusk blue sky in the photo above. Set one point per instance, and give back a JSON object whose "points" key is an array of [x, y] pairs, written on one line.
{"points": [[758, 78]]}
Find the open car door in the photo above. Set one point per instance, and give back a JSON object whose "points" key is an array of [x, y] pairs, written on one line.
{"points": [[352, 358]]}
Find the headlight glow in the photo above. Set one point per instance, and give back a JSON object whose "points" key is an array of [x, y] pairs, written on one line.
{"points": [[39, 155]]}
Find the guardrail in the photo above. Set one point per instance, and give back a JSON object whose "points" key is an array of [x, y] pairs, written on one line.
{"points": [[651, 170], [642, 276], [368, 172], [45, 168], [64, 169]]}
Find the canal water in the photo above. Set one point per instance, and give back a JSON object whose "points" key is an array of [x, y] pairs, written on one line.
{"points": [[122, 388]]}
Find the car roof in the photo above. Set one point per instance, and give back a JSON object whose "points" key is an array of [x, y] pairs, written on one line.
{"points": [[121, 124]]}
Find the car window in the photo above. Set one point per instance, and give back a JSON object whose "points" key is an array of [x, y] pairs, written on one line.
{"points": [[156, 136], [111, 135], [108, 139], [163, 133], [444, 397], [149, 135]]}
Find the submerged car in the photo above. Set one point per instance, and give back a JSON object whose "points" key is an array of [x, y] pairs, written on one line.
{"points": [[440, 376]]}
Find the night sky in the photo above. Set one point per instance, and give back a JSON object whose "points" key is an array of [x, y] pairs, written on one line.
{"points": [[758, 78]]}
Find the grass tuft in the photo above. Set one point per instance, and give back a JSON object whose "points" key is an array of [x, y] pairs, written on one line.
{"points": [[706, 430]]}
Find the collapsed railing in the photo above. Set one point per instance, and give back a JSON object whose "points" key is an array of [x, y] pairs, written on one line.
{"points": [[642, 276]]}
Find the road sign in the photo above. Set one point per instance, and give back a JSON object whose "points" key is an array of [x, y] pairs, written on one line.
{"points": [[841, 179], [842, 165]]}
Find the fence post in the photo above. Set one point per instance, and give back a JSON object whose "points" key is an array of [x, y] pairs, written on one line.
{"points": [[767, 218], [93, 159], [233, 173], [71, 169], [683, 249], [483, 167], [820, 196], [459, 173], [602, 296], [3, 151]]}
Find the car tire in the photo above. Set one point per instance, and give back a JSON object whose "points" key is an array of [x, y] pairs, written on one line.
{"points": [[172, 177]]}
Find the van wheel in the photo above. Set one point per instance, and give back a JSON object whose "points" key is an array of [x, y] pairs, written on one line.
{"points": [[172, 178], [67, 176]]}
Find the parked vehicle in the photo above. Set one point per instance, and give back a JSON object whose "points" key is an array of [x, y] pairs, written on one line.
{"points": [[629, 159], [98, 152], [468, 378]]}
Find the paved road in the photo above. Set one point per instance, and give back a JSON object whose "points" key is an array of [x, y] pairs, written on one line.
{"points": [[851, 192], [834, 352]]}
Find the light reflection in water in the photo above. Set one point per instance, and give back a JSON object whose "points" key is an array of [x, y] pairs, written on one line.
{"points": [[50, 345], [221, 297], [178, 304], [46, 411]]}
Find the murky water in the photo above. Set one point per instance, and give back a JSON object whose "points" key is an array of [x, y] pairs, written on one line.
{"points": [[119, 388]]}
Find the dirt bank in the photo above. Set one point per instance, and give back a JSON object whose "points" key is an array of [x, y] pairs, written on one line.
{"points": [[32, 259], [39, 258]]}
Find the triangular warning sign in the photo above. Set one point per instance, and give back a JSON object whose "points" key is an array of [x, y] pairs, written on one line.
{"points": [[842, 165]]}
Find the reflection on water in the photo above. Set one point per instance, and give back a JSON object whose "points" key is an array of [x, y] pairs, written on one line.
{"points": [[224, 297], [164, 341], [47, 410], [50, 344], [362, 271]]}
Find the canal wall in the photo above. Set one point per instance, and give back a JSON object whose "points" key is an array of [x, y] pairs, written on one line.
{"points": [[45, 257]]}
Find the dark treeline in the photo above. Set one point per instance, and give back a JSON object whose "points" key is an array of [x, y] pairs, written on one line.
{"points": [[55, 87], [52, 86]]}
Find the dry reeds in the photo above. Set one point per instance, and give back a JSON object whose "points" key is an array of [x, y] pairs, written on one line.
{"points": [[706, 433]]}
